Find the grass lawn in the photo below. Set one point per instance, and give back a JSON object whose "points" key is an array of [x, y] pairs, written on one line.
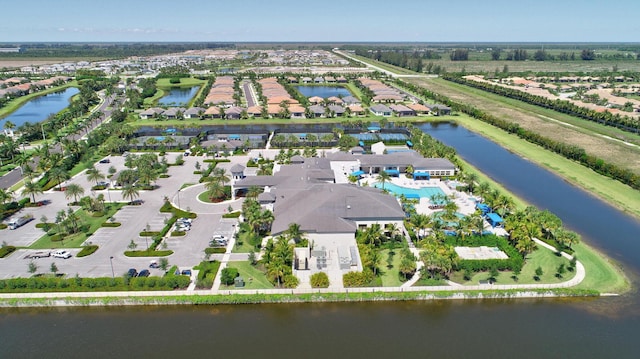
{"points": [[206, 198], [153, 99], [612, 191], [76, 240], [184, 82], [390, 276], [425, 281], [245, 247], [602, 274], [253, 277], [542, 257]]}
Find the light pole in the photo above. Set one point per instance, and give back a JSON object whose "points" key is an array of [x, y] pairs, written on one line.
{"points": [[113, 274]]}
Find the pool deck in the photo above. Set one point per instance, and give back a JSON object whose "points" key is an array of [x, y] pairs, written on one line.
{"points": [[465, 202]]}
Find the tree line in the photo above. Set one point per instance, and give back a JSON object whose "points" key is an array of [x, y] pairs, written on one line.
{"points": [[572, 152]]}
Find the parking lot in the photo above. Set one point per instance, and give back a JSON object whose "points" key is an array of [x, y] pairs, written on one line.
{"points": [[188, 249]]}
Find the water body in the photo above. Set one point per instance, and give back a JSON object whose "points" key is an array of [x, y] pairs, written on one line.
{"points": [[551, 328], [323, 91], [178, 96], [39, 108]]}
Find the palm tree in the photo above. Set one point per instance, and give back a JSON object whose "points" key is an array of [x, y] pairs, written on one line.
{"points": [[253, 192], [59, 175], [6, 195], [32, 189], [73, 190], [219, 175], [471, 180], [22, 159], [129, 191], [94, 174], [215, 189], [383, 177], [294, 233]]}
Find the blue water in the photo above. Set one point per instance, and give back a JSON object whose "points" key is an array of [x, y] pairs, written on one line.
{"points": [[160, 138], [39, 108], [423, 192], [178, 96], [323, 91]]}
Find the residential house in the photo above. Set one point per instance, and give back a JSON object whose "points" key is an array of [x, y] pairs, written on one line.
{"points": [[380, 110]]}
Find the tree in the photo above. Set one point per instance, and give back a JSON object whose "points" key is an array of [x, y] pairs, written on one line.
{"points": [[53, 268], [294, 233], [130, 192], [132, 245], [228, 275], [32, 189], [588, 55], [6, 195], [94, 175], [58, 175], [73, 190], [383, 177], [164, 264], [32, 267], [538, 273], [216, 190], [561, 270]]}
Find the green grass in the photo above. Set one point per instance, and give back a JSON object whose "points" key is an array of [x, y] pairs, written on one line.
{"points": [[602, 274], [245, 247], [390, 276], [253, 277], [153, 99], [184, 82], [612, 191], [76, 240], [542, 257]]}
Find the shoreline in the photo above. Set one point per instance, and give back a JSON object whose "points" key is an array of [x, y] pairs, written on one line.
{"points": [[312, 296], [12, 106]]}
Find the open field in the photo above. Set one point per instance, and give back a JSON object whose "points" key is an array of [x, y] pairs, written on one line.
{"points": [[548, 123]]}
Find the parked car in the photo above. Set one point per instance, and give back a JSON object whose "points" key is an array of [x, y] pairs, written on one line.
{"points": [[154, 264], [132, 272], [61, 254], [144, 273], [218, 237], [186, 272], [105, 160], [185, 220]]}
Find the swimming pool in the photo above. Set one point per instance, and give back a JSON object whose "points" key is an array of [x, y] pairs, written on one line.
{"points": [[422, 192]]}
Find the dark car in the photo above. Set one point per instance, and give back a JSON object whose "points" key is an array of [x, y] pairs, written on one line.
{"points": [[186, 272], [144, 273], [132, 273], [106, 160]]}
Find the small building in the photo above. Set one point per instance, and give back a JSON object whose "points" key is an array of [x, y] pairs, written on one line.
{"points": [[151, 113], [237, 171], [233, 113], [402, 110], [194, 113], [316, 100], [350, 100], [317, 110]]}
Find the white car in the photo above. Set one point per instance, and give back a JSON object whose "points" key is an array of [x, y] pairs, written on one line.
{"points": [[61, 254]]}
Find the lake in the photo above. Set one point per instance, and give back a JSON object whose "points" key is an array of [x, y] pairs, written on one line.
{"points": [[537, 328], [40, 108], [178, 96], [323, 91]]}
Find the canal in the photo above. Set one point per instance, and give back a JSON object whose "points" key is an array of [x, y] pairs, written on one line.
{"points": [[550, 328]]}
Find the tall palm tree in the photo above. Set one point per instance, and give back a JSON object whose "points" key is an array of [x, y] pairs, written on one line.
{"points": [[383, 177], [215, 189], [130, 192], [59, 175], [73, 190], [253, 192], [294, 233], [6, 195], [94, 175], [32, 189]]}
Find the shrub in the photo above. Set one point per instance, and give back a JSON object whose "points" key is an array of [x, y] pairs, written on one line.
{"points": [[150, 233], [6, 250], [357, 279], [111, 224], [228, 275], [164, 176], [320, 280], [215, 250], [87, 250], [290, 281], [3, 226], [178, 233], [206, 274], [235, 214], [150, 253]]}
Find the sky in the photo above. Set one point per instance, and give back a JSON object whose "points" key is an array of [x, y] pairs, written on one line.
{"points": [[326, 20]]}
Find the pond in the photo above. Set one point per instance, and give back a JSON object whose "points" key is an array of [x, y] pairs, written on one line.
{"points": [[178, 96], [323, 91], [40, 108]]}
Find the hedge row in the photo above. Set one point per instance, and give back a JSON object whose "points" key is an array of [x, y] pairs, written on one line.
{"points": [[111, 224], [148, 253], [6, 250], [215, 250], [77, 284], [87, 250]]}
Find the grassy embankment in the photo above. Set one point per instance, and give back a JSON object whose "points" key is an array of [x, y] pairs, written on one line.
{"points": [[611, 191], [17, 102]]}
